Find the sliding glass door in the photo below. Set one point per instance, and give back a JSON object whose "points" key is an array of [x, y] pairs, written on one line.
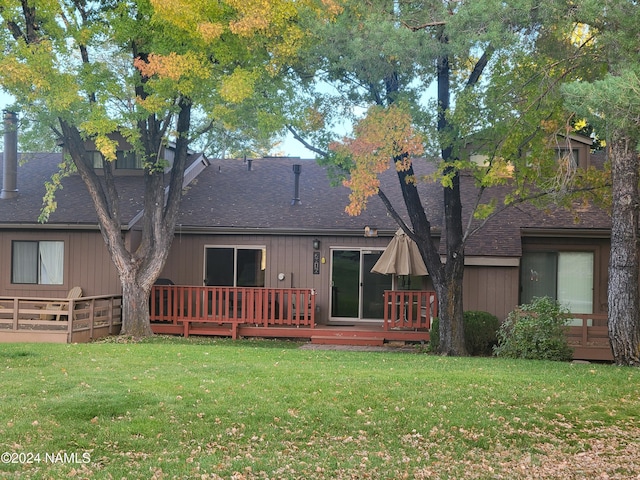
{"points": [[564, 276], [356, 293]]}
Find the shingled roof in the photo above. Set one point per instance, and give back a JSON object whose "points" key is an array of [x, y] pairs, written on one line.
{"points": [[228, 196]]}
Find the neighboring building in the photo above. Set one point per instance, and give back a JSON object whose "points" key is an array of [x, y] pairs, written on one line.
{"points": [[277, 222]]}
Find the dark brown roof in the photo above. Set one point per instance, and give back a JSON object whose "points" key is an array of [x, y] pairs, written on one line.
{"points": [[74, 204], [227, 197]]}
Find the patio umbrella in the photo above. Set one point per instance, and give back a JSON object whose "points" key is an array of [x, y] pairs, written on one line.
{"points": [[400, 257]]}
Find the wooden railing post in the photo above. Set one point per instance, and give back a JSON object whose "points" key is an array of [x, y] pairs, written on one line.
{"points": [[16, 309], [585, 330]]}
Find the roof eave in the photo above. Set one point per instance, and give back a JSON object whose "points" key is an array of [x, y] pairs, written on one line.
{"points": [[565, 232]]}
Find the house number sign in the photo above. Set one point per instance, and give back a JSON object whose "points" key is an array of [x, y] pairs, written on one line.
{"points": [[316, 263]]}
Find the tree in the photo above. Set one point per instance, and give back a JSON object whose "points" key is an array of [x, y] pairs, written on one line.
{"points": [[491, 95], [611, 103], [145, 70]]}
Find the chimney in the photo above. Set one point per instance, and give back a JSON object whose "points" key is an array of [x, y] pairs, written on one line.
{"points": [[249, 161], [10, 157], [296, 189]]}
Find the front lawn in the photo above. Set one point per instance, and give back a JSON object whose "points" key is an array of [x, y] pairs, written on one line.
{"points": [[267, 409]]}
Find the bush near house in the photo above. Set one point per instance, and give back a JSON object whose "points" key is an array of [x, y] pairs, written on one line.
{"points": [[480, 332], [535, 331]]}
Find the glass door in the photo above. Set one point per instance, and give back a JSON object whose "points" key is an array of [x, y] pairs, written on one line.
{"points": [[345, 283], [373, 287], [356, 293]]}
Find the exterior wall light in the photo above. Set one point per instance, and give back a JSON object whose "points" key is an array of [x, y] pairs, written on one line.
{"points": [[316, 244]]}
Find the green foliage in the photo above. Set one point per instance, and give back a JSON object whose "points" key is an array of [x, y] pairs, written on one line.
{"points": [[535, 331], [49, 204], [480, 332]]}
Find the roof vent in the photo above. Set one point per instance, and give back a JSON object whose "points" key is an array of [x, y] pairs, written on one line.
{"points": [[296, 189]]}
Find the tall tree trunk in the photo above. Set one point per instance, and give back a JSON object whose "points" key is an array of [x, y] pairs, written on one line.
{"points": [[135, 308], [449, 284], [450, 312], [138, 269], [624, 261]]}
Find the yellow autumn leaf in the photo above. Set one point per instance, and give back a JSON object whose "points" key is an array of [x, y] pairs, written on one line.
{"points": [[238, 86]]}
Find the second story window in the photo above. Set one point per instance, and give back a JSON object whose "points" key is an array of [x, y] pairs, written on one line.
{"points": [[124, 160], [128, 160]]}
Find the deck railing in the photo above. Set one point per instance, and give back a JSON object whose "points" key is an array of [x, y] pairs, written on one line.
{"points": [[409, 309], [184, 305], [589, 332], [91, 317]]}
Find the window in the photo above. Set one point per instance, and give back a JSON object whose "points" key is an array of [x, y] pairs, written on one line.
{"points": [[128, 160], [566, 153], [563, 276], [37, 262], [235, 266], [124, 160]]}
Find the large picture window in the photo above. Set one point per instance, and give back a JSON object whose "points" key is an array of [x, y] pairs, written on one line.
{"points": [[235, 266], [37, 262], [564, 276]]}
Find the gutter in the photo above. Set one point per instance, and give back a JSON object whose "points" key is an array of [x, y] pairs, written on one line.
{"points": [[565, 232], [49, 226], [307, 232]]}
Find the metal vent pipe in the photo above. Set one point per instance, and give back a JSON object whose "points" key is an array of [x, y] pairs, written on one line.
{"points": [[296, 189], [10, 156]]}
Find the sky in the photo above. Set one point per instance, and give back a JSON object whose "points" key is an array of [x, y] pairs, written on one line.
{"points": [[287, 147], [291, 147]]}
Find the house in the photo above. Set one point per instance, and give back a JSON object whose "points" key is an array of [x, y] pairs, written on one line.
{"points": [[48, 259], [278, 223]]}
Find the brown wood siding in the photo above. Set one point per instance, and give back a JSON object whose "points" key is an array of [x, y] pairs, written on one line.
{"points": [[291, 255], [491, 289], [86, 264]]}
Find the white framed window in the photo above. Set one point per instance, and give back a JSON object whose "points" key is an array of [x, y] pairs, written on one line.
{"points": [[37, 262]]}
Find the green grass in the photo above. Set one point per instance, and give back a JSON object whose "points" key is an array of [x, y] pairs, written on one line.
{"points": [[266, 409]]}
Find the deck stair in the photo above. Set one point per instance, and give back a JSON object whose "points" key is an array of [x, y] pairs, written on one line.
{"points": [[352, 338]]}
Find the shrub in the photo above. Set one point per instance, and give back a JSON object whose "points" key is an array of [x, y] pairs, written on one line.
{"points": [[480, 332], [535, 331]]}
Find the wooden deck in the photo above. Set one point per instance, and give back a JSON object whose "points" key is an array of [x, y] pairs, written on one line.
{"points": [[290, 313], [250, 312], [283, 313], [27, 319]]}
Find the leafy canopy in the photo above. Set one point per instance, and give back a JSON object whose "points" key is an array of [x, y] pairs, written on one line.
{"points": [[105, 66]]}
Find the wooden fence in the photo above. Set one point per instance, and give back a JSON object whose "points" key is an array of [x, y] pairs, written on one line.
{"points": [[30, 319]]}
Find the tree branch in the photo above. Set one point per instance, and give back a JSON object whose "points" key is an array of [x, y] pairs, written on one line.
{"points": [[520, 201], [306, 144], [423, 26], [394, 214], [479, 67]]}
